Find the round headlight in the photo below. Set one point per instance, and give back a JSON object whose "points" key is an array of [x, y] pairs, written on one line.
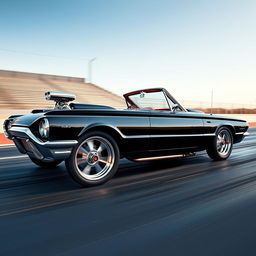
{"points": [[44, 128], [5, 128]]}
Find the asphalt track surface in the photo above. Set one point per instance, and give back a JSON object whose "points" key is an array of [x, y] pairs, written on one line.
{"points": [[191, 206]]}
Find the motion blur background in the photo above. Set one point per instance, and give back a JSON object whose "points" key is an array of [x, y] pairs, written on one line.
{"points": [[195, 49]]}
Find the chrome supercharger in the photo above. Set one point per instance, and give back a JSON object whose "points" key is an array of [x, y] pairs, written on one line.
{"points": [[61, 99]]}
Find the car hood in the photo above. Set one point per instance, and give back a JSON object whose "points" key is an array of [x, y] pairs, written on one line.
{"points": [[27, 120]]}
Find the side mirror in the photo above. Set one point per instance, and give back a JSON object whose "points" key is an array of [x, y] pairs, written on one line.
{"points": [[175, 107]]}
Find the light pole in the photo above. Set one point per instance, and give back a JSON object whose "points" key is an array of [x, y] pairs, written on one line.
{"points": [[90, 69]]}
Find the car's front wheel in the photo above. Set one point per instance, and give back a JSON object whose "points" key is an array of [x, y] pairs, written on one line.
{"points": [[222, 144], [94, 160]]}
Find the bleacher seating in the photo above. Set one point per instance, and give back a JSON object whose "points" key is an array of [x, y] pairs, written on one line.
{"points": [[28, 92]]}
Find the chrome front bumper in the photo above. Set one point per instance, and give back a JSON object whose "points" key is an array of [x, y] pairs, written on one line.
{"points": [[28, 143]]}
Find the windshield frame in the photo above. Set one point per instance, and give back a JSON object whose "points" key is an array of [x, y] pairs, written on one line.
{"points": [[131, 105]]}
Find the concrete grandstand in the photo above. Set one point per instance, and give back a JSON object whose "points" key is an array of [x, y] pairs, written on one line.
{"points": [[25, 91]]}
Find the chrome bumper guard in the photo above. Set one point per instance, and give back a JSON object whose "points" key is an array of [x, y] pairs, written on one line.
{"points": [[28, 143]]}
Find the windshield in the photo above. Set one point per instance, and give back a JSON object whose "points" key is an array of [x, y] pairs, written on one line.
{"points": [[150, 100]]}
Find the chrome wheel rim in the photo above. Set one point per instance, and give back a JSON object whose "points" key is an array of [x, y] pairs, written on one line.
{"points": [[95, 158], [224, 143]]}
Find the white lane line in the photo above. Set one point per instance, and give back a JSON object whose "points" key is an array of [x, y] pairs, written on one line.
{"points": [[12, 157], [7, 145]]}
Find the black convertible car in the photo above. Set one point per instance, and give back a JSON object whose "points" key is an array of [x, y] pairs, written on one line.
{"points": [[92, 138]]}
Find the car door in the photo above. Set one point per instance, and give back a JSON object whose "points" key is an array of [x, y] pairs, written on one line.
{"points": [[175, 131]]}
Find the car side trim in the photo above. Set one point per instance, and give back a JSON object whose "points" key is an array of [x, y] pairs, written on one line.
{"points": [[169, 136]]}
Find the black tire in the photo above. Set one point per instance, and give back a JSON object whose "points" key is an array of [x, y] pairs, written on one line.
{"points": [[85, 158], [45, 164], [216, 146]]}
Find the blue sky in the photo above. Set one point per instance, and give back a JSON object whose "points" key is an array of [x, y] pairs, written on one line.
{"points": [[189, 47]]}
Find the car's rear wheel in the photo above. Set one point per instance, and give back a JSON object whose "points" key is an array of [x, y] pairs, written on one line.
{"points": [[94, 160], [45, 164], [222, 144]]}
